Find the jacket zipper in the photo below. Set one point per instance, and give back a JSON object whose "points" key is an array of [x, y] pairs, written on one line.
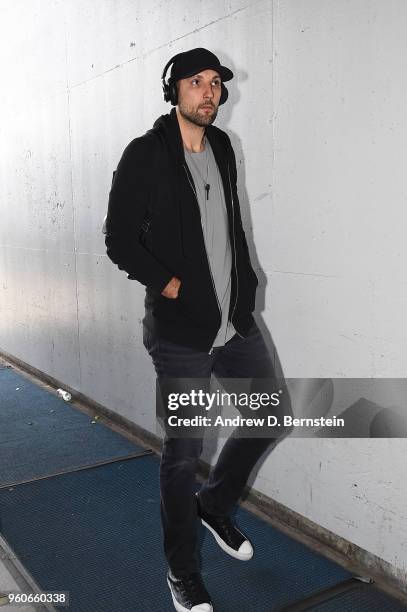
{"points": [[206, 253], [234, 249]]}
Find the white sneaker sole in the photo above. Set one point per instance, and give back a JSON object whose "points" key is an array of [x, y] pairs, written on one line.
{"points": [[177, 605], [227, 549]]}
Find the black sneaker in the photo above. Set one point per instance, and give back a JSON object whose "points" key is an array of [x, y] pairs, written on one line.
{"points": [[226, 534], [189, 594]]}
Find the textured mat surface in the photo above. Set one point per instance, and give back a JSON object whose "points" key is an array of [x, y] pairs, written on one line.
{"points": [[97, 534], [42, 434], [368, 599]]}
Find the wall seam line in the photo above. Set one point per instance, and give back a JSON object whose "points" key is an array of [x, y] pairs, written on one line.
{"points": [[72, 202]]}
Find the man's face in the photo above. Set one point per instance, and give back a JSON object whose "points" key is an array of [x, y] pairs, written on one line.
{"points": [[198, 97]]}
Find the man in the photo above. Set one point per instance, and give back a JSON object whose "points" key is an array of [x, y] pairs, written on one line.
{"points": [[174, 225]]}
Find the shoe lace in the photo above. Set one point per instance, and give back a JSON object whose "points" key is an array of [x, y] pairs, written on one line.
{"points": [[231, 532], [226, 524]]}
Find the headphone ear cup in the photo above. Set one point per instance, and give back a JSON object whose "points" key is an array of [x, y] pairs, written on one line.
{"points": [[166, 92], [173, 93], [223, 95]]}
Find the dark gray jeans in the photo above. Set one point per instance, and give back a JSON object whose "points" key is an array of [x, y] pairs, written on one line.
{"points": [[239, 358]]}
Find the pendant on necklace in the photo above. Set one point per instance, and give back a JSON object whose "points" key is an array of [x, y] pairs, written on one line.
{"points": [[207, 187]]}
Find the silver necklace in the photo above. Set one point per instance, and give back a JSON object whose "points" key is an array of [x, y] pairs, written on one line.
{"points": [[205, 182]]}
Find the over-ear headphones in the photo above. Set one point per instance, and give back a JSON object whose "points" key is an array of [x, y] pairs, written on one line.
{"points": [[170, 88]]}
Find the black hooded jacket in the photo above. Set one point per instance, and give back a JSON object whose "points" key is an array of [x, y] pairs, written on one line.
{"points": [[153, 232]]}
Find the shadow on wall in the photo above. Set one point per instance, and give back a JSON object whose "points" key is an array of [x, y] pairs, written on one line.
{"points": [[227, 111]]}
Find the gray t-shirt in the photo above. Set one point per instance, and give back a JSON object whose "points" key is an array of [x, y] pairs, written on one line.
{"points": [[214, 221]]}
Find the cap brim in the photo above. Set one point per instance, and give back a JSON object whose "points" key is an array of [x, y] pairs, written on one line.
{"points": [[224, 73]]}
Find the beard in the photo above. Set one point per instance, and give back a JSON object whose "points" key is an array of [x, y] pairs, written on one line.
{"points": [[196, 116]]}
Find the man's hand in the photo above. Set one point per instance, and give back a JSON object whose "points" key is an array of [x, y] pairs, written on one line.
{"points": [[171, 290]]}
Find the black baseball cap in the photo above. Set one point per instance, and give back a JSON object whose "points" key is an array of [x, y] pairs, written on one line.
{"points": [[191, 62]]}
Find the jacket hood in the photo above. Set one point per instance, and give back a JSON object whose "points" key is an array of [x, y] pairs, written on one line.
{"points": [[167, 127]]}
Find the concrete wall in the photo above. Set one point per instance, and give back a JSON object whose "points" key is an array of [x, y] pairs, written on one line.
{"points": [[316, 116]]}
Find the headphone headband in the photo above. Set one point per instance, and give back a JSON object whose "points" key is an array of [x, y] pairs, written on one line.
{"points": [[171, 61]]}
